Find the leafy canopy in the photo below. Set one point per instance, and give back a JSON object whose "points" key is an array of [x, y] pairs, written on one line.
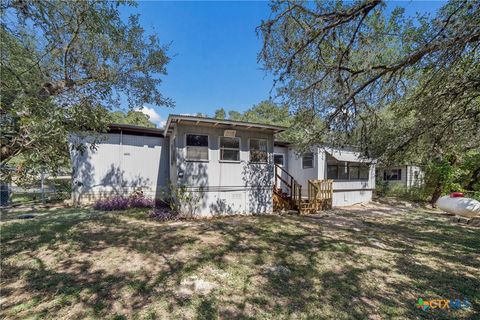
{"points": [[345, 62], [63, 64], [131, 117]]}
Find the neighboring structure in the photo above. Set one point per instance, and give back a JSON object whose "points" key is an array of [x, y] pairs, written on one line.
{"points": [[227, 166], [405, 175]]}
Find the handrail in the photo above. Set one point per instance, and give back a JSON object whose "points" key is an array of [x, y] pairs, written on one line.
{"points": [[294, 188], [288, 173]]}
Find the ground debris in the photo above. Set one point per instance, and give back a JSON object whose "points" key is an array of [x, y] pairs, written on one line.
{"points": [[193, 285]]}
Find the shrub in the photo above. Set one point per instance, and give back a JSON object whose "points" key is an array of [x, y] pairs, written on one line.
{"points": [[141, 202], [184, 202], [111, 204], [415, 194], [163, 214]]}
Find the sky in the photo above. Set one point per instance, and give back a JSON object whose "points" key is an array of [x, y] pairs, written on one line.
{"points": [[213, 48]]}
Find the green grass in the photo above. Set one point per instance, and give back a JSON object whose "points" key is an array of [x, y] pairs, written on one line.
{"points": [[353, 264]]}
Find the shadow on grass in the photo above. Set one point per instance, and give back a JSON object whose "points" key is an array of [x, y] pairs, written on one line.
{"points": [[277, 266]]}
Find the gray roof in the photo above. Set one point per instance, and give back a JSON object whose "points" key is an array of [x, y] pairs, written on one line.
{"points": [[136, 130], [195, 120]]}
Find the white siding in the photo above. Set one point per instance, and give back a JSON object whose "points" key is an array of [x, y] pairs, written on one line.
{"points": [[414, 176], [300, 174], [121, 164], [226, 187]]}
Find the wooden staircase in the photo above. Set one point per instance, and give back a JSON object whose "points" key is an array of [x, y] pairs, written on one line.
{"points": [[320, 194], [289, 200]]}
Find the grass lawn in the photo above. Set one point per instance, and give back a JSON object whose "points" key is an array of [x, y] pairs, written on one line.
{"points": [[370, 262]]}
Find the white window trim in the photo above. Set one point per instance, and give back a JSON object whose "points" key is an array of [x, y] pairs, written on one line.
{"points": [[249, 150], [313, 161], [185, 145], [239, 150]]}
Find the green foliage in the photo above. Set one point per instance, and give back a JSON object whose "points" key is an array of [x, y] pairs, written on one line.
{"points": [[266, 112], [404, 89], [388, 189], [183, 202], [346, 61], [131, 117], [63, 65], [442, 172], [220, 114]]}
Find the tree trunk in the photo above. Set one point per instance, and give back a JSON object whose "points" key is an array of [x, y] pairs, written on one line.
{"points": [[474, 179], [437, 192]]}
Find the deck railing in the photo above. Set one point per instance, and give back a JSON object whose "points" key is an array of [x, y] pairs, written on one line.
{"points": [[320, 193]]}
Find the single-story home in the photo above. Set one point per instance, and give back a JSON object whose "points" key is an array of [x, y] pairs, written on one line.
{"points": [[228, 167]]}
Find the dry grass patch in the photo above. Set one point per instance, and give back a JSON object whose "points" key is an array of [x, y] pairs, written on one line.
{"points": [[370, 261]]}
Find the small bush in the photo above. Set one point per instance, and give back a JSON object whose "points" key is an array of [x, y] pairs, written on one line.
{"points": [[415, 194], [141, 202], [111, 204], [136, 200], [163, 214]]}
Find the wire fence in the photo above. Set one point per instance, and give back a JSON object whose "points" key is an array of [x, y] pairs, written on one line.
{"points": [[43, 191]]}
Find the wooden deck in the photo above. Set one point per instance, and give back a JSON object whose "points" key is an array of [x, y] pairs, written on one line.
{"points": [[319, 197]]}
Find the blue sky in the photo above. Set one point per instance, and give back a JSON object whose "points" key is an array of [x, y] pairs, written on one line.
{"points": [[214, 50]]}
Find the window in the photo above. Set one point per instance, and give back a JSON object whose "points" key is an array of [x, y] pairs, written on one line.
{"points": [[342, 170], [258, 150], [364, 172], [307, 160], [332, 171], [197, 147], [229, 149], [392, 175], [354, 170], [278, 159]]}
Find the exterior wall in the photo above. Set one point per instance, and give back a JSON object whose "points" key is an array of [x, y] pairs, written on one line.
{"points": [[300, 174], [351, 197], [172, 158], [121, 164], [414, 176], [225, 187]]}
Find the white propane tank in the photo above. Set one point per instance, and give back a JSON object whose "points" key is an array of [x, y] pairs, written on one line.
{"points": [[465, 207]]}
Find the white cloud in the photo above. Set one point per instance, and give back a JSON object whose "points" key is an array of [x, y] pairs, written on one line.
{"points": [[153, 116]]}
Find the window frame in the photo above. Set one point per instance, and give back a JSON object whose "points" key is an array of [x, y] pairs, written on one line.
{"points": [[250, 150], [399, 174], [359, 165], [186, 147], [313, 160], [220, 149], [283, 158]]}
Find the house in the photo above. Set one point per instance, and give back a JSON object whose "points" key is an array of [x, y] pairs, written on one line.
{"points": [[407, 176], [228, 167]]}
